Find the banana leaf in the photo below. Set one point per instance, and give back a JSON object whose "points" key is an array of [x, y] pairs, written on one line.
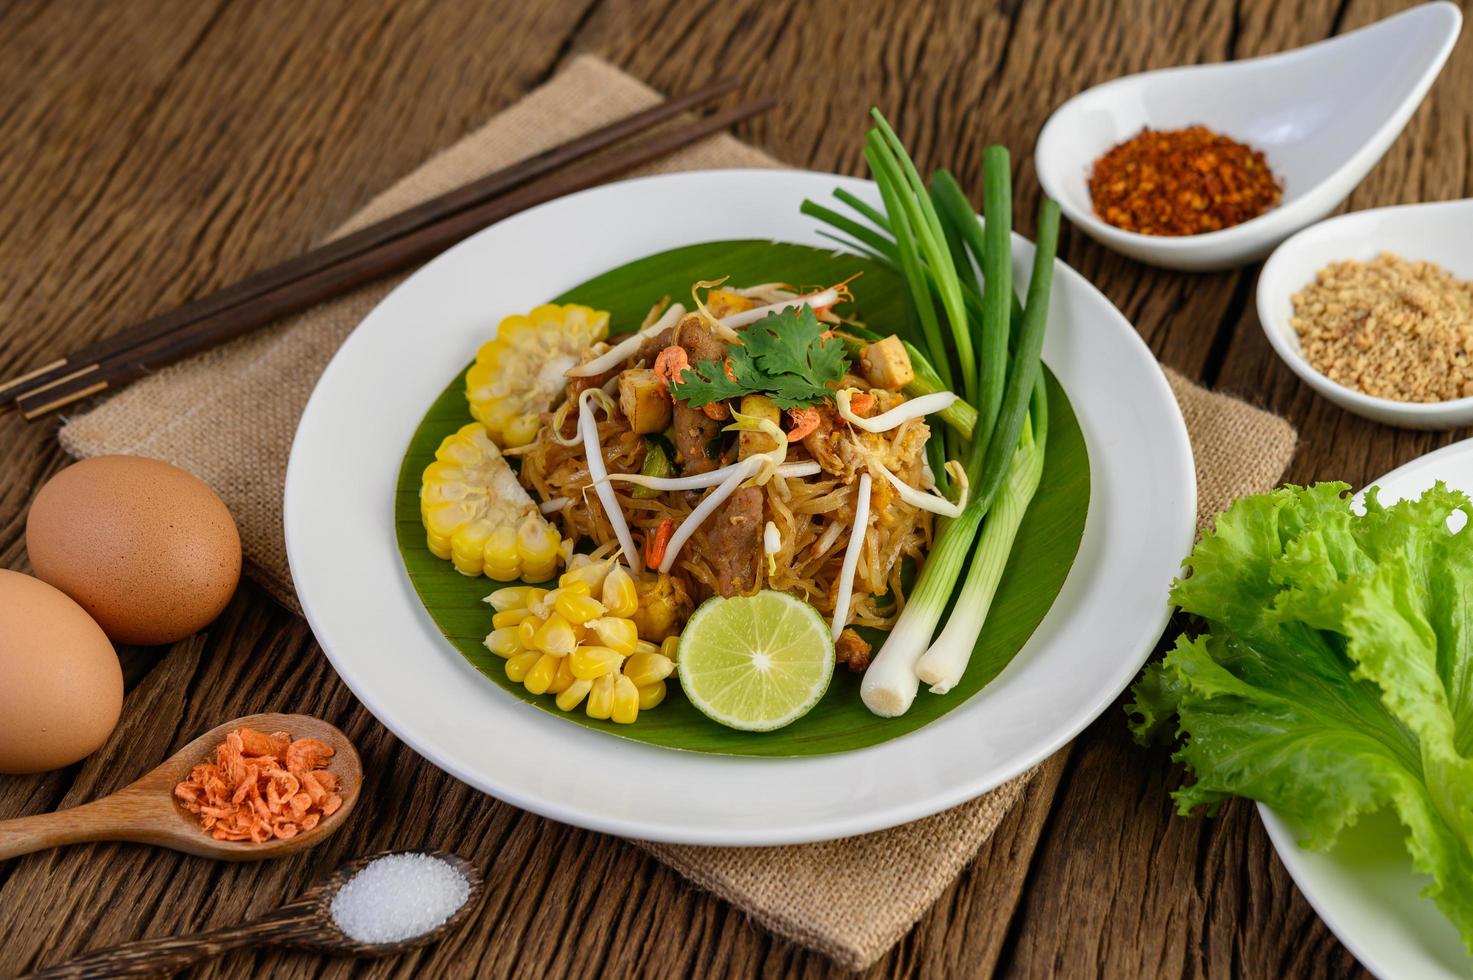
{"points": [[1045, 549]]}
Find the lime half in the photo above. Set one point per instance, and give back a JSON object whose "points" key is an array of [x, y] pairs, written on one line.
{"points": [[755, 662]]}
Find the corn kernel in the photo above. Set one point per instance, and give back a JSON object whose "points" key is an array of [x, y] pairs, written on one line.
{"points": [[519, 666], [626, 701], [601, 698], [555, 636], [514, 597], [538, 549], [542, 674], [614, 633], [527, 631], [575, 587], [590, 570], [573, 695], [645, 646], [564, 678], [620, 597], [500, 555], [503, 643], [509, 618], [591, 662], [670, 646], [646, 668], [578, 608], [521, 430], [651, 694]]}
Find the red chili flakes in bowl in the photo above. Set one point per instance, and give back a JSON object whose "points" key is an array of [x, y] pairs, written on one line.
{"points": [[262, 786], [1182, 182]]}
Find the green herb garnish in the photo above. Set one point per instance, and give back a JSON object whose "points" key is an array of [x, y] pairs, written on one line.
{"points": [[784, 356]]}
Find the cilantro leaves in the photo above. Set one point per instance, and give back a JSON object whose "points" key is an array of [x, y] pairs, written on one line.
{"points": [[783, 356]]}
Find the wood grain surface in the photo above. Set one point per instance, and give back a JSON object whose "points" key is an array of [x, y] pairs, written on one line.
{"points": [[153, 149]]}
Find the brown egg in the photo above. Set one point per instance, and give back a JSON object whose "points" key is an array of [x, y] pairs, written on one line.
{"points": [[146, 548], [61, 687]]}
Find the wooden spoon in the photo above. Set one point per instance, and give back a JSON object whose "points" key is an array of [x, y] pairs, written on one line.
{"points": [[305, 923], [147, 813]]}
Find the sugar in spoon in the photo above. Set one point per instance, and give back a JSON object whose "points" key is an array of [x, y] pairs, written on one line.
{"points": [[308, 922]]}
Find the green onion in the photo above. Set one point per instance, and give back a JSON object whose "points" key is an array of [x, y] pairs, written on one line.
{"points": [[1025, 367], [997, 283], [659, 461], [943, 664]]}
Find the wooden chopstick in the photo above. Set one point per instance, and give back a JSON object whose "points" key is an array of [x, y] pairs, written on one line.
{"points": [[391, 256], [88, 362]]}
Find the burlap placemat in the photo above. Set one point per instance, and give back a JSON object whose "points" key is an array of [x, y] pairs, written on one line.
{"points": [[229, 416]]}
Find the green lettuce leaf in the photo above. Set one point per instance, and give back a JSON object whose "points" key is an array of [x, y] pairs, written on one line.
{"points": [[1336, 673]]}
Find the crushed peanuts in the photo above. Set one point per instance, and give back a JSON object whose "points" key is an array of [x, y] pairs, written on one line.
{"points": [[1389, 328], [261, 786]]}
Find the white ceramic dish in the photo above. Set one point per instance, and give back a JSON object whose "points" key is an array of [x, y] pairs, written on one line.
{"points": [[340, 539], [1364, 888], [1440, 232], [1323, 114]]}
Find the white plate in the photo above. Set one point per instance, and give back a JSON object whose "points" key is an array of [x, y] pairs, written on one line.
{"points": [[1364, 887], [340, 538]]}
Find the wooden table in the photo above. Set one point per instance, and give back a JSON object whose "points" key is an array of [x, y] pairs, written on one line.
{"points": [[151, 150]]}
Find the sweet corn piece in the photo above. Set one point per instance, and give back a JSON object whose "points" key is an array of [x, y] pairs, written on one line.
{"points": [[527, 631], [521, 372], [564, 678], [589, 662], [615, 633], [476, 513], [646, 668], [582, 568], [573, 695], [555, 636], [542, 674], [519, 666], [601, 698], [645, 646], [626, 702], [504, 643], [578, 609], [514, 597], [509, 618], [620, 596], [670, 646], [651, 695]]}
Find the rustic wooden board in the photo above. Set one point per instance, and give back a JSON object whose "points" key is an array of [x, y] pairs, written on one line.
{"points": [[153, 149]]}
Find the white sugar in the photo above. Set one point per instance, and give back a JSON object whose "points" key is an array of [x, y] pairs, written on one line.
{"points": [[397, 897]]}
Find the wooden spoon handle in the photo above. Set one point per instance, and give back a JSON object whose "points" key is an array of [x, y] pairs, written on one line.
{"points": [[89, 822], [150, 957]]}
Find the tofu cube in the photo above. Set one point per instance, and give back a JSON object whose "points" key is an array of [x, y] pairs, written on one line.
{"points": [[886, 364], [644, 401]]}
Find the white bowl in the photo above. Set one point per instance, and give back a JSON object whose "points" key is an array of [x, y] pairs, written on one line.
{"points": [[1441, 233], [1322, 114]]}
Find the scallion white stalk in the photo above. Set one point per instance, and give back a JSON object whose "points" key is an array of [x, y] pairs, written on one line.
{"points": [[890, 682], [944, 663]]}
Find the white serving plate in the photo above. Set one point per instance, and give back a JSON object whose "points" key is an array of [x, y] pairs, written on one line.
{"points": [[340, 539], [1322, 114], [1440, 232], [1364, 887]]}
